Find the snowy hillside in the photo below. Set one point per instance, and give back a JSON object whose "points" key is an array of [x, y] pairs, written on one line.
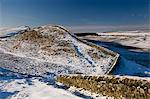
{"points": [[51, 49], [133, 47], [38, 90], [12, 31], [32, 58], [14, 86]]}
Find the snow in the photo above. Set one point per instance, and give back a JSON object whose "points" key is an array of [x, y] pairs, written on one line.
{"points": [[37, 90], [16, 86], [88, 95], [123, 34], [133, 47], [8, 31], [127, 67], [30, 54], [30, 72], [40, 90], [138, 39], [130, 62]]}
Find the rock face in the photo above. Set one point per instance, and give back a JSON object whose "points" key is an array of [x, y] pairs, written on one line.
{"points": [[53, 49]]}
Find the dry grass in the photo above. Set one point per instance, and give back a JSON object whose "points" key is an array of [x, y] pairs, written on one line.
{"points": [[30, 35]]}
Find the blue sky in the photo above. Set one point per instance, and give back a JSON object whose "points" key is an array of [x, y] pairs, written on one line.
{"points": [[77, 14]]}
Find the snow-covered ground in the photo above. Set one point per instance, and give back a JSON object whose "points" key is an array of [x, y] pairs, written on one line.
{"points": [[51, 49], [139, 39], [28, 68], [133, 47], [30, 72], [10, 31], [130, 62], [16, 86], [37, 90]]}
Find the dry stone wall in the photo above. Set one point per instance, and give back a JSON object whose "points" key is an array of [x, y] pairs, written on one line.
{"points": [[118, 87]]}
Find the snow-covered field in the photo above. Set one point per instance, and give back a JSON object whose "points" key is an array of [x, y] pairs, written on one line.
{"points": [[42, 52], [10, 31], [16, 86], [139, 39], [28, 67], [49, 49], [133, 47], [37, 90]]}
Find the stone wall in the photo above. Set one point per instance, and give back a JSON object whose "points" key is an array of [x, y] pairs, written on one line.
{"points": [[116, 86]]}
